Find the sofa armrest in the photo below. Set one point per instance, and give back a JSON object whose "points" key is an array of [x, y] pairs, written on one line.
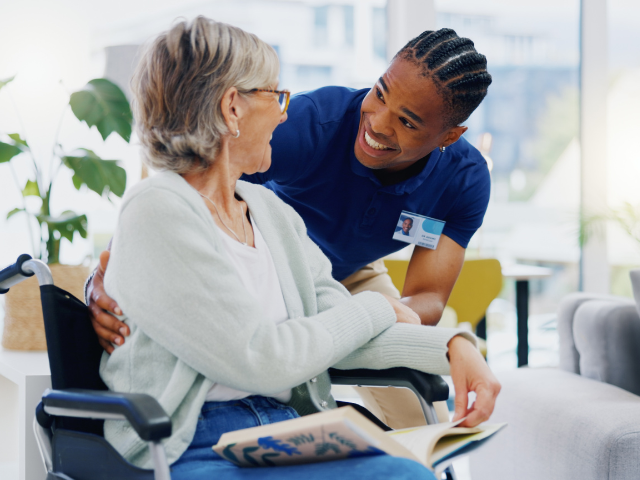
{"points": [[607, 335], [143, 412], [569, 356]]}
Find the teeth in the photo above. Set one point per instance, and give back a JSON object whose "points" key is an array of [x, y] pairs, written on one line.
{"points": [[373, 144]]}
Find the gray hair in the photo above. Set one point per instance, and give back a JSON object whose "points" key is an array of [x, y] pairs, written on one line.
{"points": [[179, 83]]}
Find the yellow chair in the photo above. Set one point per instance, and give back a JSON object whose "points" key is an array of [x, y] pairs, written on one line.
{"points": [[479, 283]]}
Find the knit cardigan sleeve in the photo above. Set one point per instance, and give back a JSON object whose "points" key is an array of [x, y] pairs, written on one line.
{"points": [[401, 345], [169, 273]]}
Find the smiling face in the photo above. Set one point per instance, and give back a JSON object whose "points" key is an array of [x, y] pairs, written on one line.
{"points": [[402, 119], [406, 225]]}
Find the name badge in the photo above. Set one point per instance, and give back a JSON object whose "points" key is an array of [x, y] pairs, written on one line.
{"points": [[419, 230]]}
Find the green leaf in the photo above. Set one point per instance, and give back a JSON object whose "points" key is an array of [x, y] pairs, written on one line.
{"points": [[19, 141], [101, 176], [14, 211], [66, 224], [6, 81], [8, 151], [31, 188], [101, 103]]}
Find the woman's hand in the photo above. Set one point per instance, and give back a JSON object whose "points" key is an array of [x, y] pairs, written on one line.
{"points": [[404, 314], [470, 373], [108, 328]]}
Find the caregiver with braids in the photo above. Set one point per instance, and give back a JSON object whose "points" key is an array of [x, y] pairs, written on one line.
{"points": [[231, 307], [354, 164]]}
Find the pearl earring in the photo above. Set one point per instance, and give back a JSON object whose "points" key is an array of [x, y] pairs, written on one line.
{"points": [[237, 134]]}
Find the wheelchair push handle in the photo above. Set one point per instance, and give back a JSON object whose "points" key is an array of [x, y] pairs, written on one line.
{"points": [[24, 268]]}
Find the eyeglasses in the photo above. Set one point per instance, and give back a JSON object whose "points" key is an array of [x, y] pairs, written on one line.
{"points": [[283, 97]]}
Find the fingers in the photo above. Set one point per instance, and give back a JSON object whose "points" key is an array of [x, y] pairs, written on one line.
{"points": [[461, 403], [105, 335], [404, 313], [476, 416], [109, 329], [108, 322], [106, 345], [98, 295], [483, 406], [104, 301]]}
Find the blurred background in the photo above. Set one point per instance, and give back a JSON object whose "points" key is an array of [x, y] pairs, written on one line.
{"points": [[528, 126]]}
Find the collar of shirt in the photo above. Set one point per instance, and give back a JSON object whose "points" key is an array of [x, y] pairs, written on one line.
{"points": [[391, 178]]}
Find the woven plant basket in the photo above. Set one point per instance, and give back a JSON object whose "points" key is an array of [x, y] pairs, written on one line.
{"points": [[23, 323]]}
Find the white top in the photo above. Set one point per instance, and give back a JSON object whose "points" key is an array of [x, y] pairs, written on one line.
{"points": [[258, 275]]}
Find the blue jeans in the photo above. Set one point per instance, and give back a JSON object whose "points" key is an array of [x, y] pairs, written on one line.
{"points": [[200, 462]]}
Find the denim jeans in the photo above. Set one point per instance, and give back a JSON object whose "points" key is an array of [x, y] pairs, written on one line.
{"points": [[200, 462]]}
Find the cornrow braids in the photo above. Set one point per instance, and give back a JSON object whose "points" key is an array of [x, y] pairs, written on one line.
{"points": [[457, 69]]}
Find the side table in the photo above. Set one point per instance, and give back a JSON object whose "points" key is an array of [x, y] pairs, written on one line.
{"points": [[30, 372], [522, 274]]}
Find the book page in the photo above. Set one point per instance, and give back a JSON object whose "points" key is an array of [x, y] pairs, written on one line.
{"points": [[449, 444], [432, 443], [421, 440]]}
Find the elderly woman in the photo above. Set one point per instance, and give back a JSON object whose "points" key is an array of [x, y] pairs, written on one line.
{"points": [[231, 307]]}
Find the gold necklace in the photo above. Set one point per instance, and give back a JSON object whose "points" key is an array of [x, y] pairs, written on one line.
{"points": [[222, 221]]}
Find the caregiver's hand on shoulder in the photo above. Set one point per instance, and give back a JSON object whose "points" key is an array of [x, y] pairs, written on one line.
{"points": [[109, 328], [404, 314], [470, 373]]}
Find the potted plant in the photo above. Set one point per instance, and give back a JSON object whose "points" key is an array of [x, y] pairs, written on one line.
{"points": [[101, 104], [627, 217]]}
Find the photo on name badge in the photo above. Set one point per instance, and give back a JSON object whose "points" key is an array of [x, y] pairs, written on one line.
{"points": [[406, 227]]}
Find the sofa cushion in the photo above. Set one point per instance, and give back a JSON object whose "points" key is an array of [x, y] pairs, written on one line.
{"points": [[561, 426]]}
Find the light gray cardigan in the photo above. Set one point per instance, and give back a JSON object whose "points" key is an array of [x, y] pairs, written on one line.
{"points": [[193, 324]]}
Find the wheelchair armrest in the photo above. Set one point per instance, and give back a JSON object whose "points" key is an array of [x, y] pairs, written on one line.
{"points": [[432, 388], [143, 412]]}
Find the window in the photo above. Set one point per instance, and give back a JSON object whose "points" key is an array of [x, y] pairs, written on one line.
{"points": [[309, 77], [347, 12], [528, 124], [321, 25], [380, 32]]}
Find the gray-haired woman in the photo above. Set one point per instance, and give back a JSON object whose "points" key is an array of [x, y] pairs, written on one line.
{"points": [[230, 305]]}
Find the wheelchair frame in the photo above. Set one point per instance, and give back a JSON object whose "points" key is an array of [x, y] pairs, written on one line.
{"points": [[146, 415]]}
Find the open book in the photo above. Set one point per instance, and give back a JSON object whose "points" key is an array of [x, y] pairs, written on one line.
{"points": [[345, 433]]}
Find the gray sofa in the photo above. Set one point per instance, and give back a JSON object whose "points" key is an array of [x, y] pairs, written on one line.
{"points": [[582, 420]]}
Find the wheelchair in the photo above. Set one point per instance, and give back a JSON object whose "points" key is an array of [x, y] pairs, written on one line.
{"points": [[69, 419]]}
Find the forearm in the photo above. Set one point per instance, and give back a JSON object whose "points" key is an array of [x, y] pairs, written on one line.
{"points": [[428, 305]]}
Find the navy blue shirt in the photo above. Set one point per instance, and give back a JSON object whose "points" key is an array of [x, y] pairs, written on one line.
{"points": [[349, 213]]}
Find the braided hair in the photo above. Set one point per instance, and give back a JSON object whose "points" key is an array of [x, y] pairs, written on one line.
{"points": [[457, 69]]}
